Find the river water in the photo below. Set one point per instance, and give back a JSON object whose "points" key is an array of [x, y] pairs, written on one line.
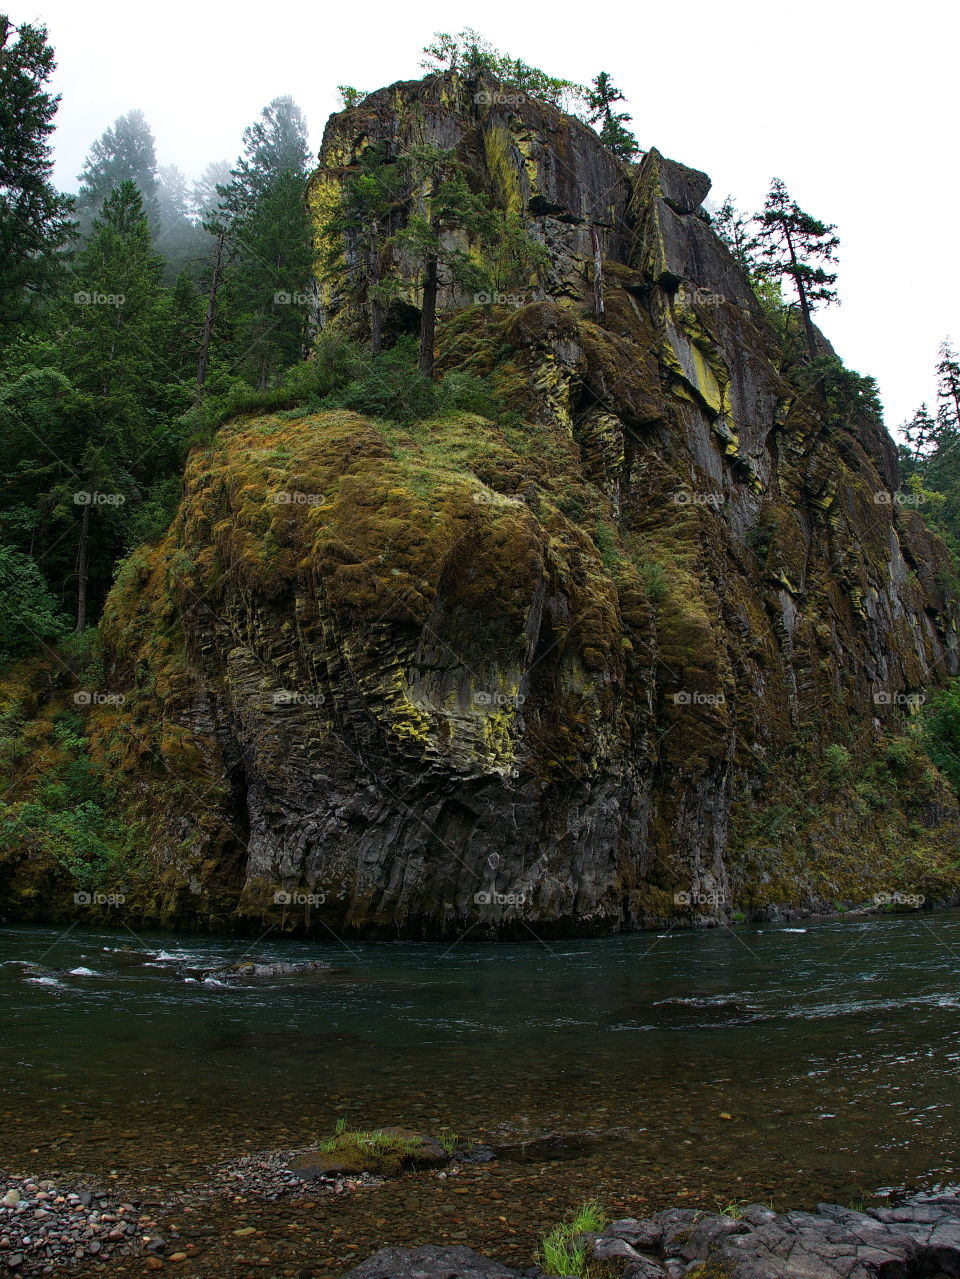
{"points": [[801, 1062]]}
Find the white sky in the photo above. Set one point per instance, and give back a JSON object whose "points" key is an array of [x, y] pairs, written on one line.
{"points": [[853, 105]]}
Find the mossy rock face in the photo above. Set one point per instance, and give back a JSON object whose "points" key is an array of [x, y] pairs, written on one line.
{"points": [[574, 670]]}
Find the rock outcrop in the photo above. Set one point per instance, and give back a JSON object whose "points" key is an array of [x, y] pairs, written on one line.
{"points": [[922, 1237], [576, 669]]}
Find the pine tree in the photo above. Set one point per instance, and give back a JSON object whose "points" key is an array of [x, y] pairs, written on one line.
{"points": [[272, 145], [266, 253], [921, 433], [349, 96], [363, 217], [613, 131], [206, 199], [114, 353], [269, 289], [181, 238], [794, 245], [948, 388], [34, 218], [124, 152], [474, 57], [735, 230], [445, 203], [516, 261]]}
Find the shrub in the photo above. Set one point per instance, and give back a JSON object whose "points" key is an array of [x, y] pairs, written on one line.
{"points": [[941, 732], [31, 615]]}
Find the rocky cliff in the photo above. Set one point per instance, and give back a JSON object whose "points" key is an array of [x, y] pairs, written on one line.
{"points": [[646, 652]]}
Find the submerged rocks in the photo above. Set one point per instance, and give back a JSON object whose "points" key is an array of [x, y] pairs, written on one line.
{"points": [[247, 968], [430, 1262]]}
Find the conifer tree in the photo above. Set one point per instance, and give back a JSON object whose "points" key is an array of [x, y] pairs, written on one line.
{"points": [[34, 218], [125, 152], [114, 353], [613, 131], [948, 388], [444, 202], [794, 245]]}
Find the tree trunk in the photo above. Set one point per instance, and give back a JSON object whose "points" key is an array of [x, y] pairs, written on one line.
{"points": [[802, 296], [373, 279], [597, 275], [204, 360], [428, 317], [83, 559]]}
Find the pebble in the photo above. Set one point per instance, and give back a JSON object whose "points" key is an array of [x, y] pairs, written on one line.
{"points": [[43, 1227]]}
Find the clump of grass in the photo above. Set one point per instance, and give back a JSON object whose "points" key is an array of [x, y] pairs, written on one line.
{"points": [[373, 1151], [564, 1250], [448, 1140], [734, 1208]]}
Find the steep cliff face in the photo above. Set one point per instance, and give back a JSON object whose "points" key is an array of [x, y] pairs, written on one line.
{"points": [[578, 671]]}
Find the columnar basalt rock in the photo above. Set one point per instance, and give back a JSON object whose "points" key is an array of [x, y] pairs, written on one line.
{"points": [[576, 673]]}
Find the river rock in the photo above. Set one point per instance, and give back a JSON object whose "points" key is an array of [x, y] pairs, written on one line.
{"points": [[430, 1262], [250, 969]]}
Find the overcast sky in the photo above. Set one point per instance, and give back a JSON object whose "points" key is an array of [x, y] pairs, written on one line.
{"points": [[853, 105]]}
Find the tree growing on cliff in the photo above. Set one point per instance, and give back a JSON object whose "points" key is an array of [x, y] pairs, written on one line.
{"points": [[349, 96], [125, 152], [34, 218], [363, 217], [794, 245], [921, 433], [446, 204], [613, 131], [948, 388], [736, 231], [470, 54]]}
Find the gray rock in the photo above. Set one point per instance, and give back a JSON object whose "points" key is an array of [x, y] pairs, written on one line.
{"points": [[430, 1262], [605, 1249], [644, 1268], [643, 1234]]}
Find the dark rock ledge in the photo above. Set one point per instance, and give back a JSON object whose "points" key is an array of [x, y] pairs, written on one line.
{"points": [[919, 1238]]}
